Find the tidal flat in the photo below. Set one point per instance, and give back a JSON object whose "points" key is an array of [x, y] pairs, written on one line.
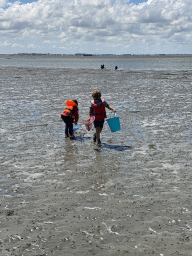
{"points": [[67, 197]]}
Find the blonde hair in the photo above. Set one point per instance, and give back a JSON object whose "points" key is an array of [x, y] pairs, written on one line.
{"points": [[96, 94]]}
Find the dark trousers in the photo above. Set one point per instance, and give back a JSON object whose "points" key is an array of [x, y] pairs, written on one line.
{"points": [[68, 124]]}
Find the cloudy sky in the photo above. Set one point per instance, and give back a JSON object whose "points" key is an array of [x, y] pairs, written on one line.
{"points": [[96, 26]]}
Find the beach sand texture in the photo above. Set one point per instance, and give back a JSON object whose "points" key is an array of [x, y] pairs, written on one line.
{"points": [[62, 198]]}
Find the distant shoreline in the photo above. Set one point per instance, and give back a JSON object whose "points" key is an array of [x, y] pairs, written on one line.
{"points": [[126, 56]]}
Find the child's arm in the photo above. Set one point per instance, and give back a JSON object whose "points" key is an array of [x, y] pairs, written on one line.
{"points": [[111, 108], [90, 112]]}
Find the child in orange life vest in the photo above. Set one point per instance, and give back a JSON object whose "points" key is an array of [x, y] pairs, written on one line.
{"points": [[97, 109], [69, 116]]}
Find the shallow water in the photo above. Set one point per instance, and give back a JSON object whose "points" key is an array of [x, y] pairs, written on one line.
{"points": [[126, 63], [63, 197]]}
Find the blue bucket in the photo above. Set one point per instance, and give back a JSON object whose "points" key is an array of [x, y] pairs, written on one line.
{"points": [[114, 124]]}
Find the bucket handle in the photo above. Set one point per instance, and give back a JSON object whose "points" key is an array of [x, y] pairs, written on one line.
{"points": [[115, 114]]}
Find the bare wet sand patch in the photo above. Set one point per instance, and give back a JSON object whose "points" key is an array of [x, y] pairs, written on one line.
{"points": [[63, 197]]}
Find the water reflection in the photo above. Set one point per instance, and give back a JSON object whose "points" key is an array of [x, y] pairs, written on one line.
{"points": [[81, 138], [116, 147]]}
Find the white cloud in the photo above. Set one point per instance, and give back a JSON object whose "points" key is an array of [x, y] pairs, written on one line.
{"points": [[17, 46], [49, 42], [31, 46], [3, 3], [62, 47], [97, 21], [6, 43]]}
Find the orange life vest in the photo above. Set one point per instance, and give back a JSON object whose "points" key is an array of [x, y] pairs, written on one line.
{"points": [[71, 110], [99, 112]]}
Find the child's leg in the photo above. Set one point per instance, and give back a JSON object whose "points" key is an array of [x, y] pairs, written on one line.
{"points": [[98, 131], [67, 123], [70, 124], [66, 129], [98, 126], [71, 129]]}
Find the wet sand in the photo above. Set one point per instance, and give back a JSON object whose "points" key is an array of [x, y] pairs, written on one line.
{"points": [[63, 197]]}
